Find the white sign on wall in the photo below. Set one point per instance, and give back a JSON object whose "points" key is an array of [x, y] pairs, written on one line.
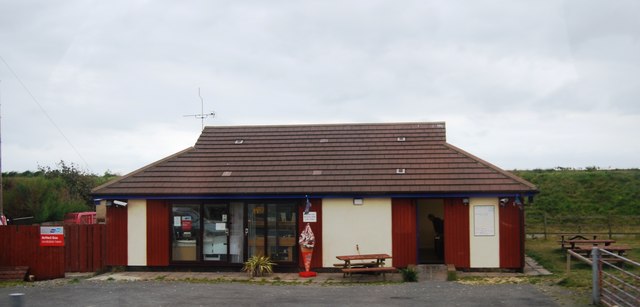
{"points": [[484, 221], [310, 217]]}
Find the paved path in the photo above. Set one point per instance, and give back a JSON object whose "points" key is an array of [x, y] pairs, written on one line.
{"points": [[70, 293]]}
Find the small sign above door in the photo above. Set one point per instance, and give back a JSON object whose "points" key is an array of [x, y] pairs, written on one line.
{"points": [[310, 217]]}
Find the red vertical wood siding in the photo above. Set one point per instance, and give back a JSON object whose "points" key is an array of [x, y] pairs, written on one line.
{"points": [[456, 233], [158, 229], [117, 251], [21, 247], [511, 234], [403, 233], [84, 247], [316, 261]]}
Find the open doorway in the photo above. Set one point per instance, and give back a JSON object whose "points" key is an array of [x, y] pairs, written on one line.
{"points": [[430, 244]]}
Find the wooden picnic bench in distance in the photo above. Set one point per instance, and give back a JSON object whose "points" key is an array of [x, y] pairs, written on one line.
{"points": [[580, 242], [619, 249], [569, 236], [376, 266]]}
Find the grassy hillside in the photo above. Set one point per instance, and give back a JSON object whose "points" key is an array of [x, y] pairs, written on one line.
{"points": [[586, 192]]}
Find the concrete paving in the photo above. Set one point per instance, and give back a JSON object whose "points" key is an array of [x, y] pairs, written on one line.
{"points": [[213, 293], [425, 273], [243, 277], [279, 289]]}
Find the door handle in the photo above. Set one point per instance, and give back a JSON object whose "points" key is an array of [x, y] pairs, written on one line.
{"points": [[246, 231], [226, 231]]}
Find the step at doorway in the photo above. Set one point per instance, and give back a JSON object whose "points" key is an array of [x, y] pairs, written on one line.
{"points": [[432, 272]]}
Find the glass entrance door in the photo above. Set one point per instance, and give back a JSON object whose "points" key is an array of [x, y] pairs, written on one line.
{"points": [[271, 231], [255, 230], [215, 238], [237, 233]]}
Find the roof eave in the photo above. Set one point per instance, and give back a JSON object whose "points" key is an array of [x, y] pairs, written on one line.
{"points": [[531, 186], [96, 190]]}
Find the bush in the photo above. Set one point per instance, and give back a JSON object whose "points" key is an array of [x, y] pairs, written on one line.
{"points": [[409, 274], [258, 266]]}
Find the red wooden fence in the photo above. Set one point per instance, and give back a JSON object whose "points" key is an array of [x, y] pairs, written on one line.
{"points": [[84, 247], [21, 247], [83, 251]]}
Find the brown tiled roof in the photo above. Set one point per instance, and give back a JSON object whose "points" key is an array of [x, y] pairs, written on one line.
{"points": [[321, 159]]}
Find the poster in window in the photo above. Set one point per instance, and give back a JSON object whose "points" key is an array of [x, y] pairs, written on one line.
{"points": [[484, 221], [186, 223]]}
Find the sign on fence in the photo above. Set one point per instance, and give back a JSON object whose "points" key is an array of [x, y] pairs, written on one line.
{"points": [[51, 236]]}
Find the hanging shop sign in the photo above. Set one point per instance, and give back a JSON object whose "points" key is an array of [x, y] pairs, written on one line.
{"points": [[310, 217]]}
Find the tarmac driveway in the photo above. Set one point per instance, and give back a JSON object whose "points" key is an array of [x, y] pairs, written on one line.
{"points": [[179, 293]]}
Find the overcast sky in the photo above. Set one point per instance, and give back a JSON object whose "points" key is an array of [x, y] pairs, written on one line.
{"points": [[521, 84]]}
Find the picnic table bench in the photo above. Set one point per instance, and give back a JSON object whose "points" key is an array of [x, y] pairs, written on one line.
{"points": [[570, 241], [564, 238], [573, 244], [619, 249], [374, 264], [13, 272]]}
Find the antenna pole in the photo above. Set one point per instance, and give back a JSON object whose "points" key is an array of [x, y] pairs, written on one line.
{"points": [[201, 109], [202, 116]]}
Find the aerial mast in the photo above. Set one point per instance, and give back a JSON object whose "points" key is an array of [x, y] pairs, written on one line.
{"points": [[202, 116]]}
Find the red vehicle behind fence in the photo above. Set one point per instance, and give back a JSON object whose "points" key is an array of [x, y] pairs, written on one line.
{"points": [[80, 218]]}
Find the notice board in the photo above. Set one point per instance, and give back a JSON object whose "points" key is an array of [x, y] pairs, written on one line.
{"points": [[484, 221]]}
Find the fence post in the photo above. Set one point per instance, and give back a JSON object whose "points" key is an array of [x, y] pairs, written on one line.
{"points": [[544, 222], [595, 276], [568, 262], [609, 226]]}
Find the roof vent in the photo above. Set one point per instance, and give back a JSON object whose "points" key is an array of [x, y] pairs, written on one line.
{"points": [[239, 141], [226, 174], [401, 139], [324, 140], [400, 170], [315, 173]]}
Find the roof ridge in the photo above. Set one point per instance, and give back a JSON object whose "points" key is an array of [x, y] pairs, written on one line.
{"points": [[435, 123], [492, 166], [142, 169]]}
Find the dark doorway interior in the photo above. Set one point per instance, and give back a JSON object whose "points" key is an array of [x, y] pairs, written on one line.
{"points": [[430, 246]]}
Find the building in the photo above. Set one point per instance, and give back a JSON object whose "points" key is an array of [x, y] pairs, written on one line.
{"points": [[242, 191]]}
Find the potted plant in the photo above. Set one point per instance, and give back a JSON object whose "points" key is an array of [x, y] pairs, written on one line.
{"points": [[258, 266]]}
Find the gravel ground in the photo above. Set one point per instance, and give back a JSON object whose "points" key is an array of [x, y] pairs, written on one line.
{"points": [[82, 292]]}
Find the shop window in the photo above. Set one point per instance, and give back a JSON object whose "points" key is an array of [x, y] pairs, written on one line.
{"points": [[186, 232]]}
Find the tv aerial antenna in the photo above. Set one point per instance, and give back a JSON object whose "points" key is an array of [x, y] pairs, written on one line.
{"points": [[202, 116]]}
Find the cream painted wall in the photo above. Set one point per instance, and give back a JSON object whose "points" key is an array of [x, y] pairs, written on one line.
{"points": [[137, 232], [485, 250], [345, 225]]}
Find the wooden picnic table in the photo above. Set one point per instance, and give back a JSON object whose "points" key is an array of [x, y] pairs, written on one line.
{"points": [[375, 264], [572, 236], [580, 242]]}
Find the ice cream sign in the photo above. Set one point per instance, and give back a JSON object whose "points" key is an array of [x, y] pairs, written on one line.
{"points": [[52, 236]]}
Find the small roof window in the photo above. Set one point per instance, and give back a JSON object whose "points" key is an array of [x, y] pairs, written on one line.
{"points": [[324, 140], [239, 141], [316, 172], [400, 170], [226, 174], [401, 139]]}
